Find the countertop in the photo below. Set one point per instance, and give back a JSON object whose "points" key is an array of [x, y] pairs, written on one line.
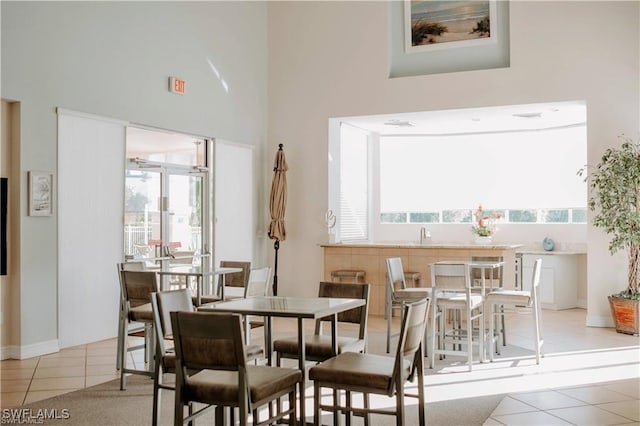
{"points": [[552, 252], [433, 245]]}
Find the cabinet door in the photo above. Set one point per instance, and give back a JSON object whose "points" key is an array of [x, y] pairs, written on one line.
{"points": [[547, 282]]}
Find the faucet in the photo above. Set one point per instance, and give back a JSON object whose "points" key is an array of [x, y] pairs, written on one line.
{"points": [[425, 236]]}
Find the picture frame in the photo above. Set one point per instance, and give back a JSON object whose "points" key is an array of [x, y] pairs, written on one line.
{"points": [[40, 193], [431, 25]]}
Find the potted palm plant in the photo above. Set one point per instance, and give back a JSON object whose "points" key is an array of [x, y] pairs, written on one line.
{"points": [[615, 198]]}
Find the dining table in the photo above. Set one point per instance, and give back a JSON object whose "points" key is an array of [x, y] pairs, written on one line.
{"points": [[289, 307], [200, 274]]}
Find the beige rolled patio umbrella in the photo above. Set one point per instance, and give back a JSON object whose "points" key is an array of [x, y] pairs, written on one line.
{"points": [[277, 207]]}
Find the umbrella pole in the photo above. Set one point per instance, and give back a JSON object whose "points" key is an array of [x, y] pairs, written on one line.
{"points": [[276, 247]]}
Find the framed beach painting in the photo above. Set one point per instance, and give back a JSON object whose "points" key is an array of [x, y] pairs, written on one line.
{"points": [[40, 193], [445, 24]]}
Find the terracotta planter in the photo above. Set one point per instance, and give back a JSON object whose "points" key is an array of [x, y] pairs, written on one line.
{"points": [[625, 314]]}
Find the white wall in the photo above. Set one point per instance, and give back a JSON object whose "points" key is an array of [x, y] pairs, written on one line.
{"points": [[113, 59], [329, 59]]}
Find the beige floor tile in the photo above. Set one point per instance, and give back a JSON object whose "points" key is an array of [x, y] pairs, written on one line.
{"points": [[11, 399], [533, 418], [56, 383], [34, 396], [96, 380], [62, 362], [101, 370], [67, 353], [588, 415], [103, 343], [102, 351], [102, 360], [18, 373], [10, 364], [50, 372], [626, 387], [18, 385], [510, 405], [547, 400], [594, 394], [628, 409], [492, 422]]}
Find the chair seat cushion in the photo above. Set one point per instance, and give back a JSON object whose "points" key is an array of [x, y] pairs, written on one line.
{"points": [[319, 346], [509, 297], [355, 370], [221, 387], [458, 300], [141, 313]]}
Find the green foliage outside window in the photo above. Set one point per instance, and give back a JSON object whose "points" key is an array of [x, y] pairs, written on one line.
{"points": [[456, 216], [424, 217], [393, 217], [523, 216], [579, 215], [556, 216]]}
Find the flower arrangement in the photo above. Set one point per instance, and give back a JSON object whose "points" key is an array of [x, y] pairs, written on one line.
{"points": [[485, 222]]}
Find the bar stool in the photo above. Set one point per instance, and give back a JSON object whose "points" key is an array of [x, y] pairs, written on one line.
{"points": [[348, 276]]}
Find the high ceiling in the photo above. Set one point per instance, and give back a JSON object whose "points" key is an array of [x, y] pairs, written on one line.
{"points": [[474, 120]]}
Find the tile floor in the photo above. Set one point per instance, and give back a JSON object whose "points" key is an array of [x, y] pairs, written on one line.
{"points": [[589, 376]]}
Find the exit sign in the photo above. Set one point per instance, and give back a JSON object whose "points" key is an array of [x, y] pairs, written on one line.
{"points": [[176, 85]]}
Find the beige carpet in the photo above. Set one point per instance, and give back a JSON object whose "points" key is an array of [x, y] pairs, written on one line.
{"points": [[105, 404]]}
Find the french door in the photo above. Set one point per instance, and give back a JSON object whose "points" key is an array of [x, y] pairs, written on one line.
{"points": [[164, 210]]}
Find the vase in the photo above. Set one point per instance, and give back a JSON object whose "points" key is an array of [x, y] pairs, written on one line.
{"points": [[483, 240]]}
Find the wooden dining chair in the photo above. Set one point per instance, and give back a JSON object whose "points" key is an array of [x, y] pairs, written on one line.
{"points": [[162, 304], [318, 347], [377, 374], [236, 279], [211, 369], [397, 292], [135, 319]]}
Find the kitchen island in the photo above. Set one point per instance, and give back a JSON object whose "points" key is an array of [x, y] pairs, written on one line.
{"points": [[415, 257]]}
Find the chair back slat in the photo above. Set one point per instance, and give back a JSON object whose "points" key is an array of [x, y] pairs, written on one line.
{"points": [[137, 286], [450, 276], [258, 283], [348, 291], [206, 340], [236, 279], [395, 274], [415, 325], [414, 321], [170, 301], [489, 273]]}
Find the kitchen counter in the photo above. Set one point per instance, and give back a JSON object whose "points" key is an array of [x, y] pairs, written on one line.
{"points": [[371, 258], [433, 245], [553, 252]]}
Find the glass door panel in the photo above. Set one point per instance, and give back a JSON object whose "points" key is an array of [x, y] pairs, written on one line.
{"points": [[184, 212], [142, 218]]}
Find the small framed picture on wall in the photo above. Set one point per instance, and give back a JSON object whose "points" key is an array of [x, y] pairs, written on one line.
{"points": [[40, 193]]}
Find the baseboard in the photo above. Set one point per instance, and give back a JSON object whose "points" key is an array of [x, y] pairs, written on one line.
{"points": [[29, 351], [599, 321], [8, 352]]}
